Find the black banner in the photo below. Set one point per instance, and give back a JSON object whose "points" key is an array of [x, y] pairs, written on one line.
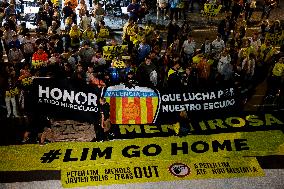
{"points": [[65, 99], [196, 103]]}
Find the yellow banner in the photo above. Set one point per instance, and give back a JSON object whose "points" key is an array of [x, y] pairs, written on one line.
{"points": [[211, 10], [111, 52], [154, 171], [275, 38], [118, 64], [62, 155]]}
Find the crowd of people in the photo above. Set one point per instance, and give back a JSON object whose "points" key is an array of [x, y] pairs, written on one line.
{"points": [[153, 59]]}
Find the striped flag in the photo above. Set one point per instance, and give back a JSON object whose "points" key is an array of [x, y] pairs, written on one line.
{"points": [[137, 105]]}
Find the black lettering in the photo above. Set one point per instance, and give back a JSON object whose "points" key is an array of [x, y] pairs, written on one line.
{"points": [[146, 172], [241, 145], [67, 155], [158, 150], [137, 172], [184, 148], [226, 144], [156, 170], [97, 152], [84, 154], [133, 154], [194, 147]]}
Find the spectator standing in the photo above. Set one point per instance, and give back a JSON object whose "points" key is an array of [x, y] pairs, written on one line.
{"points": [[188, 49]]}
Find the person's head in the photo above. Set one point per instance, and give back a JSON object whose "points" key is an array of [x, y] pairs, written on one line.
{"points": [[102, 100], [207, 40], [188, 70], [281, 60], [130, 74], [219, 37], [12, 6], [15, 37], [98, 54], [90, 69], [87, 43], [102, 23], [189, 37], [54, 23], [40, 48], [79, 68], [176, 65], [148, 60], [134, 1]]}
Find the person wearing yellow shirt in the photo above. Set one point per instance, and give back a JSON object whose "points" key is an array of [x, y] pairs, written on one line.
{"points": [[75, 35], [277, 76], [88, 34]]}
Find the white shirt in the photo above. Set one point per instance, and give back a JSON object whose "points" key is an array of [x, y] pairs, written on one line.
{"points": [[189, 47], [218, 45], [222, 62], [250, 66]]}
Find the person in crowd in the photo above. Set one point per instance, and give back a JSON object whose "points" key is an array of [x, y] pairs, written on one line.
{"points": [[147, 73], [206, 47], [54, 28], [275, 80], [88, 35], [67, 11], [11, 91], [174, 9], [10, 10], [237, 9], [15, 57], [28, 47], [82, 8], [218, 44], [15, 42], [39, 58], [75, 35], [42, 27], [86, 21], [162, 8], [188, 49], [23, 30], [143, 50], [268, 5], [248, 69], [86, 54], [98, 14], [105, 117], [250, 6], [133, 8]]}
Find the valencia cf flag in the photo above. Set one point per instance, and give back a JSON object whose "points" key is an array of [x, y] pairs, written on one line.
{"points": [[138, 105]]}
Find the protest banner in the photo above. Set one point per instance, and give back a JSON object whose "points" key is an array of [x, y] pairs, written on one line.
{"points": [[64, 99], [63, 155], [111, 52], [205, 124], [211, 10]]}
